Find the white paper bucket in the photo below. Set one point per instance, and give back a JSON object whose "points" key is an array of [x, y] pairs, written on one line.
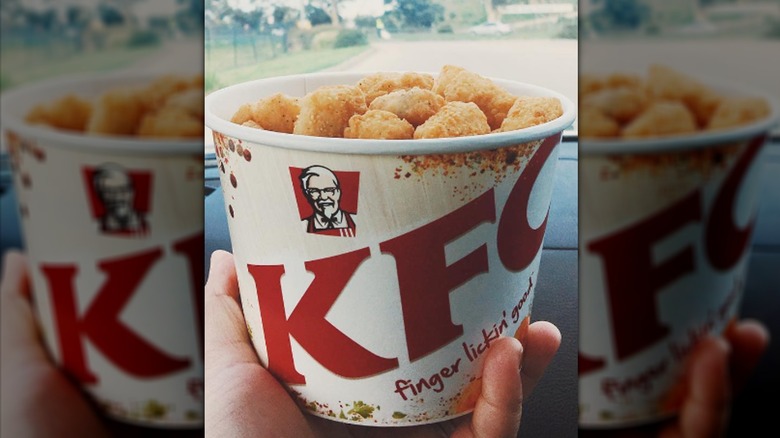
{"points": [[383, 319]]}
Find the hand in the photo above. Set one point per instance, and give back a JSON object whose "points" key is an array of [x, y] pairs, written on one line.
{"points": [[717, 368], [36, 398], [243, 398]]}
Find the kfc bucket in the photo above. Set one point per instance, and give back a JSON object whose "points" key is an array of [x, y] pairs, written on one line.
{"points": [[665, 230], [113, 231], [381, 315]]}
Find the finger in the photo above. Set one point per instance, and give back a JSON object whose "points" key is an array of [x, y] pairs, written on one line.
{"points": [[749, 340], [705, 412], [499, 406], [20, 337], [541, 345], [226, 339]]}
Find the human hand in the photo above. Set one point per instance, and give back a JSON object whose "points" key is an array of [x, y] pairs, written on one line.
{"points": [[718, 368], [36, 398], [243, 399]]}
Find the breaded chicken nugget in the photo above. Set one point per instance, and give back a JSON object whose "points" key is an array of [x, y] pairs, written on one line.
{"points": [[456, 84], [590, 83], [454, 119], [595, 124], [325, 112], [531, 111], [662, 118], [379, 84], [69, 112], [620, 103], [243, 114], [171, 121], [117, 112], [669, 84], [736, 111], [414, 105], [158, 91], [379, 124], [277, 113], [190, 100]]}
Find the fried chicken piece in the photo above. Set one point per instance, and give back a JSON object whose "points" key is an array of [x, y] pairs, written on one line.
{"points": [[325, 112], [737, 111], [595, 124], [379, 84], [117, 112], [277, 113], [669, 84], [379, 124], [621, 103], [458, 84], [414, 105], [530, 111], [662, 118], [454, 119], [69, 112], [171, 122]]}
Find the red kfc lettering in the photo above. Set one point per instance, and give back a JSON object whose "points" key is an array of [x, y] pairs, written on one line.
{"points": [[424, 279], [100, 322], [192, 249], [726, 243], [518, 243], [633, 282], [307, 324]]}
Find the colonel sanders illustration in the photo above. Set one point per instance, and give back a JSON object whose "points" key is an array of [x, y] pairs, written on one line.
{"points": [[114, 189], [323, 191]]}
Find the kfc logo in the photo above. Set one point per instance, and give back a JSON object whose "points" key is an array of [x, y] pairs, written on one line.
{"points": [[119, 199], [327, 200]]}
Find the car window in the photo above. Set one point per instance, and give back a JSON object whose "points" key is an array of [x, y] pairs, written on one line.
{"points": [[505, 39]]}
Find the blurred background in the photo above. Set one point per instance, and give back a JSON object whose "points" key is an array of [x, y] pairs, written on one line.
{"points": [[729, 42]]}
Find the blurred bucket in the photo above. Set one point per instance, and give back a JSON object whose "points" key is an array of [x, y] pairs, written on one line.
{"points": [[113, 231], [665, 229]]}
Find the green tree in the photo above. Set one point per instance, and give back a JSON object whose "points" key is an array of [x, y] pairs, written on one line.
{"points": [[621, 14], [420, 14]]}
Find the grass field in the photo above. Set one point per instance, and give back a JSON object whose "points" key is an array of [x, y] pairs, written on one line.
{"points": [[221, 72], [22, 64]]}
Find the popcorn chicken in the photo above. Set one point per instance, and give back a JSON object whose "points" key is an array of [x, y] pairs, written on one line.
{"points": [[621, 103], [117, 112], [170, 106], [667, 103], [325, 112], [454, 119], [736, 111], [595, 124], [69, 112], [666, 83], [172, 121], [530, 111], [277, 113], [457, 84], [415, 105], [662, 118], [399, 106], [379, 124], [379, 84]]}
